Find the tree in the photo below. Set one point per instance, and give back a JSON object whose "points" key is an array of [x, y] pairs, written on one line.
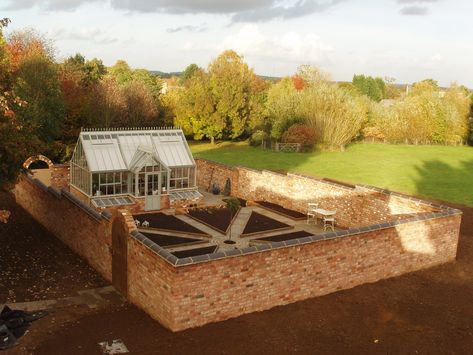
{"points": [[282, 103], [121, 71], [140, 105], [17, 141], [230, 82], [196, 110], [374, 88], [79, 79], [188, 73], [37, 82]]}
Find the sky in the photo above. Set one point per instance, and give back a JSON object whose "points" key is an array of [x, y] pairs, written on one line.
{"points": [[408, 40]]}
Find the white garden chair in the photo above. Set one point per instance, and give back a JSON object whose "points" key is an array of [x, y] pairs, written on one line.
{"points": [[145, 224], [311, 212]]}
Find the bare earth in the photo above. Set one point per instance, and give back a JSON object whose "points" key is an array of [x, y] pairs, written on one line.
{"points": [[426, 312]]}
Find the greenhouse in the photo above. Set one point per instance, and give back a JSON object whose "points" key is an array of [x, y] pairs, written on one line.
{"points": [[110, 166]]}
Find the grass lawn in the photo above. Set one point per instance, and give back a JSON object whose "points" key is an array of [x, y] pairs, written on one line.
{"points": [[438, 172]]}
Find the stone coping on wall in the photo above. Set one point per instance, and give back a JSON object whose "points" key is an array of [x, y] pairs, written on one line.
{"points": [[66, 194]]}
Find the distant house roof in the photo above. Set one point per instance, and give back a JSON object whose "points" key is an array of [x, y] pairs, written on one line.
{"points": [[114, 150]]}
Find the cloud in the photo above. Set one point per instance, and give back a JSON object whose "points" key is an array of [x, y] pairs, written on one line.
{"points": [[188, 28], [239, 10], [84, 34], [415, 1], [415, 7], [414, 10], [297, 9], [53, 5], [290, 47]]}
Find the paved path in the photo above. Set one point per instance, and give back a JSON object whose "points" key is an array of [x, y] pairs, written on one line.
{"points": [[93, 298]]}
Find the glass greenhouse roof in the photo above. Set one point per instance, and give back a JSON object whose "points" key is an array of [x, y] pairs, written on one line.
{"points": [[114, 150]]}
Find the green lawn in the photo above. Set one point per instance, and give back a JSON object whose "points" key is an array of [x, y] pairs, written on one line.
{"points": [[438, 172]]}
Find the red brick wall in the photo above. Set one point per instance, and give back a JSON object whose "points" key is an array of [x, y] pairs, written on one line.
{"points": [[88, 237], [355, 207], [60, 176], [216, 290], [150, 283]]}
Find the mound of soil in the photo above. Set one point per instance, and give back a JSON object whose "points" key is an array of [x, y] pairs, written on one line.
{"points": [[166, 222], [282, 210], [171, 240], [286, 236], [194, 252], [259, 223], [216, 218]]}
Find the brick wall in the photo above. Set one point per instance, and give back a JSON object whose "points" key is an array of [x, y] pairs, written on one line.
{"points": [[189, 292], [150, 283], [216, 290], [87, 234], [60, 176], [357, 206]]}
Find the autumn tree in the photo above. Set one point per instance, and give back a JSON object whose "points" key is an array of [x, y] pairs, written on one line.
{"points": [[17, 140], [188, 73], [196, 111], [79, 79], [231, 87]]}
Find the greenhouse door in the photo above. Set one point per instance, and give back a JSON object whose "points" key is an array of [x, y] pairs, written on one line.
{"points": [[152, 191]]}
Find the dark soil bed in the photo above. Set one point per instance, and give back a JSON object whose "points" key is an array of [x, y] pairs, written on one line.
{"points": [[34, 264], [166, 222], [216, 218], [194, 252], [258, 223], [285, 236], [282, 210], [171, 240]]}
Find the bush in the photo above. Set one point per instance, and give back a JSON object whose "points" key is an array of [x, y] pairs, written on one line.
{"points": [[425, 117], [257, 138], [335, 115], [300, 133]]}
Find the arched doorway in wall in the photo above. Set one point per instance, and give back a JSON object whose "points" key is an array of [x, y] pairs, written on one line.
{"points": [[40, 166], [120, 254]]}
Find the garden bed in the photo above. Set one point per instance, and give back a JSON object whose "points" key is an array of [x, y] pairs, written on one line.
{"points": [[283, 237], [282, 210], [170, 241], [258, 223], [194, 252], [216, 218], [161, 221]]}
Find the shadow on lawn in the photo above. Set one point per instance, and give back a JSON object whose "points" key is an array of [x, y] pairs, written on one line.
{"points": [[253, 157], [442, 181]]}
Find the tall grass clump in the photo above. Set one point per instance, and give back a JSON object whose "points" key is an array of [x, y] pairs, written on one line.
{"points": [[335, 116]]}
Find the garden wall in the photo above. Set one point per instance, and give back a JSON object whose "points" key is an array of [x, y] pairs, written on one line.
{"points": [[356, 206], [404, 235], [84, 230], [219, 286]]}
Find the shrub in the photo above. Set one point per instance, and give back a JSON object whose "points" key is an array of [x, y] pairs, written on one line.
{"points": [[258, 137], [300, 133], [335, 115]]}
